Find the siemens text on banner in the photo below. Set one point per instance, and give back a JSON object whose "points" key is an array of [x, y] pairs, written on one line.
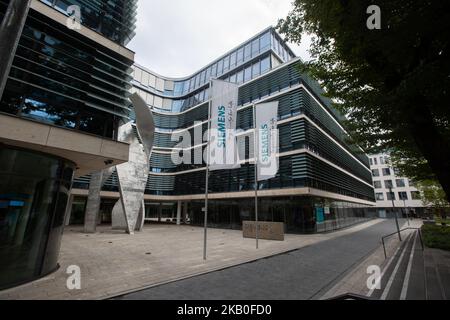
{"points": [[267, 140], [222, 144]]}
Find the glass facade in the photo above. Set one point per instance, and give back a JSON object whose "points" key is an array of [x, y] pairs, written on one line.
{"points": [[114, 19], [300, 214], [33, 201], [246, 62], [314, 148], [64, 79]]}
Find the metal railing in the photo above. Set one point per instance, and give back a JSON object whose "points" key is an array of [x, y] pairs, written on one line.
{"points": [[397, 232]]}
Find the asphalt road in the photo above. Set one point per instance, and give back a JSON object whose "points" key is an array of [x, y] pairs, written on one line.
{"points": [[306, 273]]}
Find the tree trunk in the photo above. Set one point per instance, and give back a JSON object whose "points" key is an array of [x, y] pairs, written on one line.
{"points": [[433, 145]]}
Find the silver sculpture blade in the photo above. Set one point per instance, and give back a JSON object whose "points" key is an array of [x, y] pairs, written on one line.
{"points": [[129, 212], [144, 122]]}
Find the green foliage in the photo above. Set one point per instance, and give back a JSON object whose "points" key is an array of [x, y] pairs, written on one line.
{"points": [[431, 194], [436, 236], [393, 83]]}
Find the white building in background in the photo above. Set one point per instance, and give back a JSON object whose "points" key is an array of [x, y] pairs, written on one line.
{"points": [[404, 196]]}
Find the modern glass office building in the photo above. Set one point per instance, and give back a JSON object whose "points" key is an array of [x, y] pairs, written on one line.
{"points": [[66, 94], [323, 183]]}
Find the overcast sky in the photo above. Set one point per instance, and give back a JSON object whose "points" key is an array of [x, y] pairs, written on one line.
{"points": [[176, 38]]}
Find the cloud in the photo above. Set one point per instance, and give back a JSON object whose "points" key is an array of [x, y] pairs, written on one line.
{"points": [[178, 37]]}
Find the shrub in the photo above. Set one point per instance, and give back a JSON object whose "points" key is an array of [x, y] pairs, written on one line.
{"points": [[436, 236]]}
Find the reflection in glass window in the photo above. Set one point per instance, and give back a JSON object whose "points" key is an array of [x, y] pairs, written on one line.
{"points": [[138, 74], [256, 70], [377, 184], [255, 47], [247, 51], [208, 74], [219, 67], [247, 74], [240, 77], [233, 59], [265, 41], [226, 63], [400, 183], [390, 195], [240, 56], [178, 88], [403, 195], [214, 70], [265, 65], [388, 184], [379, 196], [202, 77]]}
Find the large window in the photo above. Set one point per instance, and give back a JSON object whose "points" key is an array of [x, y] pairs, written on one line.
{"points": [[386, 172], [256, 70], [388, 184], [240, 56], [403, 195], [247, 74], [247, 51], [390, 196], [226, 64], [377, 184], [240, 77], [233, 60], [255, 48], [379, 196], [375, 173], [265, 41], [265, 65], [400, 183]]}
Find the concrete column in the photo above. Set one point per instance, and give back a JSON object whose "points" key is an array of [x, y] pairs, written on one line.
{"points": [[179, 212], [185, 212], [69, 210], [10, 32], [160, 212], [93, 202]]}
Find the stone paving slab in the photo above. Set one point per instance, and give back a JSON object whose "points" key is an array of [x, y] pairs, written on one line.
{"points": [[304, 273], [114, 263], [355, 280]]}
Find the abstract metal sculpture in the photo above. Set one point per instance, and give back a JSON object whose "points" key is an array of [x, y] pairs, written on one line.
{"points": [[129, 211]]}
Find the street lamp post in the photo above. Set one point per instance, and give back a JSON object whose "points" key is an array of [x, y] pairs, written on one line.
{"points": [[395, 213]]}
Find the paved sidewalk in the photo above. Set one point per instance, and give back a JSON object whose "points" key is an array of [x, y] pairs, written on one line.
{"points": [[355, 280], [113, 263], [304, 273]]}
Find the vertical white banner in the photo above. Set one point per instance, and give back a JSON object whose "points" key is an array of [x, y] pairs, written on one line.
{"points": [[267, 141], [222, 146]]}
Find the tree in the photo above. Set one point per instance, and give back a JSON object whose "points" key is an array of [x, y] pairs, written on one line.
{"points": [[432, 195], [392, 82]]}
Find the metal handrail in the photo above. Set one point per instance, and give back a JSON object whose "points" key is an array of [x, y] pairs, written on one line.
{"points": [[394, 233]]}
